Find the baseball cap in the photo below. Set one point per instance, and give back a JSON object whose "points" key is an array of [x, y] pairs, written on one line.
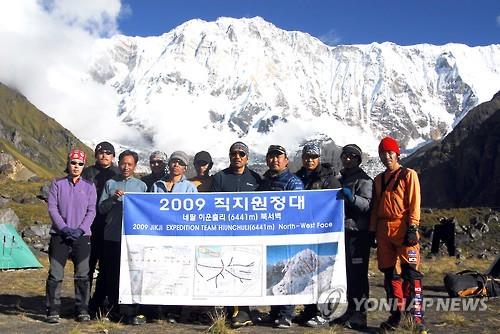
{"points": [[105, 146], [276, 148]]}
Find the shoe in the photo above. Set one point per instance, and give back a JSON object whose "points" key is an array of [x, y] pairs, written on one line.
{"points": [[420, 329], [136, 320], [83, 317], [241, 319], [53, 319], [356, 321], [317, 321], [283, 323], [392, 323]]}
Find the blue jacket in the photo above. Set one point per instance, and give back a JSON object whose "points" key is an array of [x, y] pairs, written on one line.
{"points": [[285, 180], [183, 186], [112, 207], [226, 181]]}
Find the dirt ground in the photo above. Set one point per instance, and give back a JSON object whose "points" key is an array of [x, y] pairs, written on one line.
{"points": [[22, 306]]}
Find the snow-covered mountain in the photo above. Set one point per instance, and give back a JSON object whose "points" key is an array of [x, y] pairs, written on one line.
{"points": [[299, 274], [205, 84]]}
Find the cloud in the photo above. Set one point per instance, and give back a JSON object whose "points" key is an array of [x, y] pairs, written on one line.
{"points": [[331, 38], [46, 48]]}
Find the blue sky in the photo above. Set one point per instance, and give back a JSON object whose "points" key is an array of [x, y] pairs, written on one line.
{"points": [[404, 22]]}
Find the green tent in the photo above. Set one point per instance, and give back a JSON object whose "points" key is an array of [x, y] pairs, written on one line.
{"points": [[14, 253]]}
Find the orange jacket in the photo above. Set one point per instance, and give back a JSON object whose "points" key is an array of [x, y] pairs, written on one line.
{"points": [[399, 201]]}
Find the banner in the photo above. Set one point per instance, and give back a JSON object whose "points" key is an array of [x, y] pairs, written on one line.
{"points": [[256, 248]]}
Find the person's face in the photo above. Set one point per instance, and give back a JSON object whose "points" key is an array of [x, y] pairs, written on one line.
{"points": [[389, 159], [310, 161], [177, 167], [238, 159], [276, 161], [202, 167], [127, 165], [157, 166], [104, 158], [75, 167], [349, 160]]}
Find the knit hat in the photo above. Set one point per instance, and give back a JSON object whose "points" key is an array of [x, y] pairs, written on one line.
{"points": [[239, 146], [388, 144], [276, 148], [104, 146], [158, 155], [77, 154], [311, 149], [352, 149], [180, 155], [202, 156]]}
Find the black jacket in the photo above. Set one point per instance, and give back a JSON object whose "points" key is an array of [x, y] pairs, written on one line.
{"points": [[226, 180], [357, 214], [151, 178], [321, 178]]}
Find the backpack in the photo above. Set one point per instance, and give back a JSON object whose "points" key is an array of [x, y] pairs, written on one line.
{"points": [[469, 283]]}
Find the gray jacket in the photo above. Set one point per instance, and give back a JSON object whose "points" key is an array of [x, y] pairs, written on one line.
{"points": [[357, 214]]}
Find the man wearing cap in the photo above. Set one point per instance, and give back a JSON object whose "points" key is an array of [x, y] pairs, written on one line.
{"points": [[176, 181], [72, 207], [315, 175], [111, 205], [395, 218], [158, 165], [202, 163], [236, 178], [356, 191], [279, 178], [102, 170]]}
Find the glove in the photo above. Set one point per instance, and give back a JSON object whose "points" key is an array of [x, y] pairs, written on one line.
{"points": [[372, 240], [65, 232], [411, 238], [348, 194], [75, 233]]}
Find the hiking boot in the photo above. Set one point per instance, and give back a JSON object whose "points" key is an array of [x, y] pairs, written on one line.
{"points": [[53, 319], [241, 319], [317, 321], [392, 323], [83, 317], [356, 321], [283, 323], [136, 320]]}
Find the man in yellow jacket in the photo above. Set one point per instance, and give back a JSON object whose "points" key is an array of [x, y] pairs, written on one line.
{"points": [[394, 220]]}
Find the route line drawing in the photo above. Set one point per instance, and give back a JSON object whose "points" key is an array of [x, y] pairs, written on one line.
{"points": [[235, 269]]}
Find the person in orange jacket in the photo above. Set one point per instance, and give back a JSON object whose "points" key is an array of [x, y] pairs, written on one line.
{"points": [[394, 222]]}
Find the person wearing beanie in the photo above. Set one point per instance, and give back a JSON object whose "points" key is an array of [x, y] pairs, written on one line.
{"points": [[99, 173], [176, 181], [315, 175], [158, 164], [72, 208], [111, 205], [395, 218], [279, 178], [356, 192], [202, 164], [236, 178]]}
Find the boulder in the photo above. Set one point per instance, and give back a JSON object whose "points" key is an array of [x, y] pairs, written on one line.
{"points": [[44, 191], [8, 216]]}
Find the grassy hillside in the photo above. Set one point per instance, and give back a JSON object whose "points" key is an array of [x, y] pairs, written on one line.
{"points": [[38, 141]]}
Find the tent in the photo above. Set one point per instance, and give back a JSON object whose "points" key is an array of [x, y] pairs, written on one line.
{"points": [[14, 253]]}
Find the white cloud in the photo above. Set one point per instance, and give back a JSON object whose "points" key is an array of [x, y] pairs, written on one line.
{"points": [[46, 47], [331, 38]]}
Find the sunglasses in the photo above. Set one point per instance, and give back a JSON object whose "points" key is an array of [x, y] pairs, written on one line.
{"points": [[106, 152], [177, 161], [349, 155], [310, 156], [75, 163], [241, 154], [156, 162]]}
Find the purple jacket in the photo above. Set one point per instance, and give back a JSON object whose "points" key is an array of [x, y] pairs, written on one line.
{"points": [[72, 205]]}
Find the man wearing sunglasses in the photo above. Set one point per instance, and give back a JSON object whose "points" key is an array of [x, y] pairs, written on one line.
{"points": [[72, 207], [237, 178], [99, 173], [176, 181], [158, 165], [202, 164]]}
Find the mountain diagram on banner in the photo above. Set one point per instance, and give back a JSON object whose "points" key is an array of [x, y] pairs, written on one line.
{"points": [[300, 274]]}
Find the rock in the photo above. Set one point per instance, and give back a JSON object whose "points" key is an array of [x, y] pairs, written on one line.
{"points": [[44, 191], [8, 216], [38, 230], [427, 210], [4, 202], [482, 227], [34, 178], [25, 198], [491, 219], [474, 234]]}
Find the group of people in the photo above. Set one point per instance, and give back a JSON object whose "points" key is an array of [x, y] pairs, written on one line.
{"points": [[86, 211]]}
